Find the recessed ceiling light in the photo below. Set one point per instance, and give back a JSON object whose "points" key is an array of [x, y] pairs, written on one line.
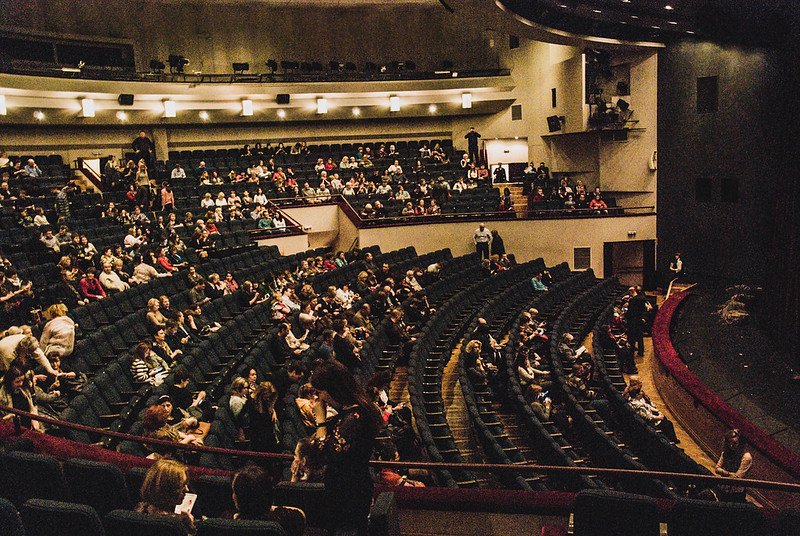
{"points": [[656, 27], [281, 113], [634, 16], [596, 11], [562, 5], [671, 22], [356, 111], [669, 7], [689, 32], [626, 1]]}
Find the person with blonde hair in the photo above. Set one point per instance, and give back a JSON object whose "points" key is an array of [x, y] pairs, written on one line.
{"points": [[154, 316], [238, 396], [164, 488], [58, 334], [23, 347]]}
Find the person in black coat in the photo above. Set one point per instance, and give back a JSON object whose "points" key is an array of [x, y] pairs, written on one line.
{"points": [[635, 319], [263, 419], [144, 148], [497, 246]]}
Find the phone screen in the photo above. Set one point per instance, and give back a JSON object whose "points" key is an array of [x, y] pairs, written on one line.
{"points": [[188, 503]]}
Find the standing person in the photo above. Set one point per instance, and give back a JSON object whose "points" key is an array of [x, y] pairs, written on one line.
{"points": [[498, 247], [676, 267], [734, 462], [144, 148], [482, 239], [635, 319], [472, 144], [345, 442]]}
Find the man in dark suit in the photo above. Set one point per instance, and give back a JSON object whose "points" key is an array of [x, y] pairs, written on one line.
{"points": [[472, 143], [144, 148], [635, 319]]}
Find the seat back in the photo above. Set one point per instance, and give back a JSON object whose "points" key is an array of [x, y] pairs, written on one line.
{"points": [[229, 527], [100, 485], [213, 496], [692, 517], [308, 497], [10, 521], [384, 519], [30, 476], [606, 513], [128, 523], [46, 518]]}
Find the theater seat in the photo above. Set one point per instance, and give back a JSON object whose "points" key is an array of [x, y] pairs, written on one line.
{"points": [[605, 513], [691, 517], [228, 527], [100, 485], [127, 523], [383, 518], [30, 476], [10, 522], [47, 518]]}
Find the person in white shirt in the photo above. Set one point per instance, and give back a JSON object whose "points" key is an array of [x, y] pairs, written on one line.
{"points": [[178, 172], [482, 238], [221, 201], [132, 240], [459, 185], [395, 168], [260, 198], [111, 280], [385, 189]]}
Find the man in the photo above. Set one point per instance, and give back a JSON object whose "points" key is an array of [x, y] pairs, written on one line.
{"points": [[482, 239], [144, 148], [279, 348], [32, 170], [472, 143], [111, 280], [288, 375], [50, 241], [635, 319], [500, 173], [676, 266], [178, 172]]}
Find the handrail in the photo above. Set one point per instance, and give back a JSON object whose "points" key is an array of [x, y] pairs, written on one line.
{"points": [[529, 467]]}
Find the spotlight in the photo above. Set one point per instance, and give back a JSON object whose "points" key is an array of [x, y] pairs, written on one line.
{"points": [[170, 110], [240, 67], [394, 104], [157, 66], [203, 115], [87, 107], [3, 108], [356, 111], [432, 109], [281, 113], [466, 100], [177, 63], [122, 116], [247, 108], [38, 115], [322, 105]]}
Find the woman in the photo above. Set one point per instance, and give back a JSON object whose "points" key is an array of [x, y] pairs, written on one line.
{"points": [[306, 466], [155, 425], [58, 334], [345, 443], [231, 285], [528, 374], [141, 371], [642, 405], [262, 432], [253, 495], [164, 487], [154, 316], [734, 462], [16, 392], [239, 395], [478, 371]]}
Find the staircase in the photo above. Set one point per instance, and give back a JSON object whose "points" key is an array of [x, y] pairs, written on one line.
{"points": [[520, 201], [456, 411]]}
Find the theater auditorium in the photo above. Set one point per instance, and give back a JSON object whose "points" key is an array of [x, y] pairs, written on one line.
{"points": [[418, 267]]}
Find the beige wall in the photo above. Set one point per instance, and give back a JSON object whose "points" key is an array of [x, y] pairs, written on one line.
{"points": [[288, 245]]}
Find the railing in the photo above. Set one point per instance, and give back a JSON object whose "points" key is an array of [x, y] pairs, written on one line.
{"points": [[700, 480]]}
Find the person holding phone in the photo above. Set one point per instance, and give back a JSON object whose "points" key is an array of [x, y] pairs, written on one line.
{"points": [[164, 492]]}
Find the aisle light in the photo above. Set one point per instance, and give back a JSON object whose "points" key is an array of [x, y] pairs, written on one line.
{"points": [[394, 104], [170, 110], [356, 111], [247, 108], [87, 107], [322, 105], [466, 100], [3, 108]]}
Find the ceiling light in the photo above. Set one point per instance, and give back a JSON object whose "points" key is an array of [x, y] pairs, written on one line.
{"points": [[626, 1], [656, 27], [3, 108], [562, 5], [203, 115], [322, 106], [170, 110], [596, 11], [247, 108], [466, 100], [356, 111], [87, 108], [394, 104], [38, 115], [122, 116], [671, 22], [281, 113], [668, 7], [634, 16], [689, 32], [432, 109]]}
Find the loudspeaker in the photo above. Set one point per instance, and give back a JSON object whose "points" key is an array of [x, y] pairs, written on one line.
{"points": [[282, 98], [553, 123], [125, 99]]}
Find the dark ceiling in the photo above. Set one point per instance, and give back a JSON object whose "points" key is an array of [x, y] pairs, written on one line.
{"points": [[741, 21]]}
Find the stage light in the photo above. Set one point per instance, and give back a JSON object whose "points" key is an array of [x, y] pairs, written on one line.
{"points": [[322, 106], [3, 108], [170, 110], [38, 115], [356, 111], [281, 113], [122, 116], [247, 108], [87, 107], [394, 104], [432, 109], [203, 115], [466, 100]]}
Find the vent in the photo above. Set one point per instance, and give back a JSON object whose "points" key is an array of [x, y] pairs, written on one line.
{"points": [[516, 112], [582, 258], [553, 99], [707, 94]]}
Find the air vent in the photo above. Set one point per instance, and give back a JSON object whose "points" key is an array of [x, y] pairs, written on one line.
{"points": [[516, 112], [582, 258]]}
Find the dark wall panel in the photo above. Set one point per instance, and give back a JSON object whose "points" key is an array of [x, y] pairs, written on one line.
{"points": [[738, 144]]}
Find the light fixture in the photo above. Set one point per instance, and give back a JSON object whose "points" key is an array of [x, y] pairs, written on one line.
{"points": [[672, 22], [203, 115], [596, 11], [170, 110], [322, 105], [38, 115], [356, 111], [432, 109], [3, 108], [87, 107], [247, 108], [634, 16], [466, 100], [122, 116], [281, 113], [668, 7], [394, 103]]}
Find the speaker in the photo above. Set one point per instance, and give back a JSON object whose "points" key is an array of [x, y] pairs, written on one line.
{"points": [[553, 123], [126, 99], [282, 98]]}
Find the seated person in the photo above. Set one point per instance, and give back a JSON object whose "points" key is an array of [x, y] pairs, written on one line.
{"points": [[16, 391], [643, 407], [155, 425], [253, 497], [163, 489], [143, 369], [90, 286], [388, 476], [185, 405]]}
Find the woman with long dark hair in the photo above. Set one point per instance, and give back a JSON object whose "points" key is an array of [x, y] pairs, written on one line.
{"points": [[734, 462], [345, 442]]}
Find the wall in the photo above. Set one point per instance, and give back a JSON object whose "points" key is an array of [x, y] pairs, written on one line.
{"points": [[213, 34], [507, 151], [553, 240], [741, 141]]}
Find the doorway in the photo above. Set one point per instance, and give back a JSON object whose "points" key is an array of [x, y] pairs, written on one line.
{"points": [[632, 262]]}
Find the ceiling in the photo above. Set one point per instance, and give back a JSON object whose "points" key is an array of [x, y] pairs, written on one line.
{"points": [[758, 21]]}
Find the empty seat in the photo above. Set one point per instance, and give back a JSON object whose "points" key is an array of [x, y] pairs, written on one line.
{"points": [[604, 513], [229, 527], [100, 485], [127, 523], [47, 518], [693, 517], [10, 522], [30, 476]]}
